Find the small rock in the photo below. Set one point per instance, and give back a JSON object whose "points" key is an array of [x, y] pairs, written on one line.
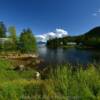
{"points": [[21, 67], [37, 75]]}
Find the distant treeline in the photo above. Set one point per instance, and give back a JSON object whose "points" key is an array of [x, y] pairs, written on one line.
{"points": [[90, 39], [9, 41]]}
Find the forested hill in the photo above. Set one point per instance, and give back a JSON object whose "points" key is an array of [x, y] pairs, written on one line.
{"points": [[95, 32], [90, 39]]}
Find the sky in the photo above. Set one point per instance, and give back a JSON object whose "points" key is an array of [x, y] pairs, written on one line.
{"points": [[46, 16]]}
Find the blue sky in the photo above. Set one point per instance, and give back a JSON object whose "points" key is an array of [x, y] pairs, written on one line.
{"points": [[43, 16]]}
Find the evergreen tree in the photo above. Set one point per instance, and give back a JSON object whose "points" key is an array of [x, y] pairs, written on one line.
{"points": [[27, 41], [2, 30]]}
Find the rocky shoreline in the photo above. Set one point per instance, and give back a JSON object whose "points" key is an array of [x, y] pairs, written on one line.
{"points": [[18, 56], [25, 60]]}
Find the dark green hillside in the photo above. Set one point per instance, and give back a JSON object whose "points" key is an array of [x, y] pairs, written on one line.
{"points": [[95, 32], [90, 39]]}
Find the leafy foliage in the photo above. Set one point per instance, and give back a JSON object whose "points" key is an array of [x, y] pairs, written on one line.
{"points": [[13, 37], [27, 41]]}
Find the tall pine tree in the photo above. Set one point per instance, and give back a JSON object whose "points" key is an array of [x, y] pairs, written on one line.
{"points": [[2, 30]]}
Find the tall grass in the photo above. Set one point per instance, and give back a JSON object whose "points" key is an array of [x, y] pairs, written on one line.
{"points": [[62, 83], [79, 84]]}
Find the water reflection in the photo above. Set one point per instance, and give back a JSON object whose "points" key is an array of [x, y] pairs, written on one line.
{"points": [[70, 55]]}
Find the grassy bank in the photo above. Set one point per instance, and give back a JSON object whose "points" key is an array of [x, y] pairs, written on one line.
{"points": [[62, 83]]}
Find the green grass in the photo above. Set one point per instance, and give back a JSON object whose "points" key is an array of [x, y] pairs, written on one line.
{"points": [[81, 84], [62, 83]]}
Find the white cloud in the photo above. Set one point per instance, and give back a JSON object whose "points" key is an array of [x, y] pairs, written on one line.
{"points": [[50, 35], [59, 33], [96, 13], [40, 38]]}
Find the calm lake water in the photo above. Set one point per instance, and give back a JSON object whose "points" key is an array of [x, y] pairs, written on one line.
{"points": [[70, 55]]}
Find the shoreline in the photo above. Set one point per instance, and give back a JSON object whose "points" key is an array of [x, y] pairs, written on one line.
{"points": [[18, 55]]}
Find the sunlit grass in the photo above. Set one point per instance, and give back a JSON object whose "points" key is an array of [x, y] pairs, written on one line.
{"points": [[62, 83]]}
